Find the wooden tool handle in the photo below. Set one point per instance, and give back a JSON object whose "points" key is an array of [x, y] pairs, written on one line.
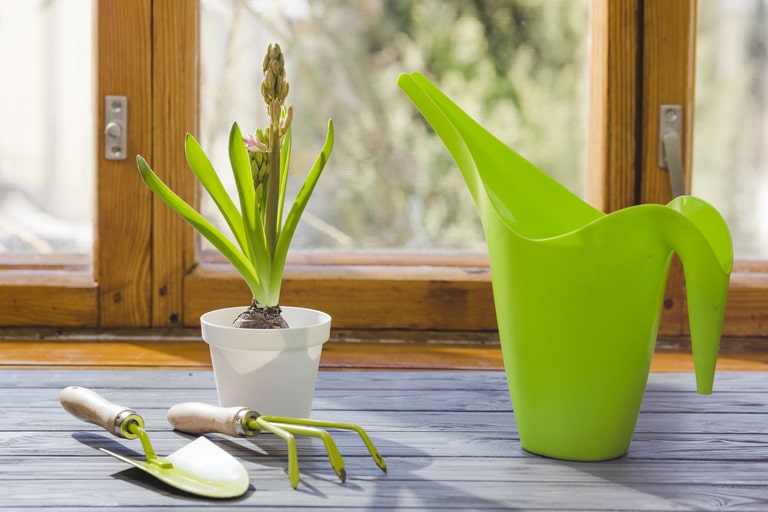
{"points": [[89, 406], [200, 418]]}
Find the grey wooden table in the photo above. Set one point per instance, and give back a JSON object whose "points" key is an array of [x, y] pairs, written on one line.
{"points": [[449, 440]]}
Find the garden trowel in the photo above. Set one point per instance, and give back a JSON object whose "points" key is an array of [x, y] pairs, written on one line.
{"points": [[200, 467]]}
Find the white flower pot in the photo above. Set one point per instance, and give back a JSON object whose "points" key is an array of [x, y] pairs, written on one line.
{"points": [[272, 371]]}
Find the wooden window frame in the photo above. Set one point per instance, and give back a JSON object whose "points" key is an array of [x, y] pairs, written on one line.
{"points": [[113, 291], [657, 62], [146, 273]]}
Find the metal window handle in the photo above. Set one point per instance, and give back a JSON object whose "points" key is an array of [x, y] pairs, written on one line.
{"points": [[670, 146]]}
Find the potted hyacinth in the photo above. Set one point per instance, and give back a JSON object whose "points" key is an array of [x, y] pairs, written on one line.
{"points": [[255, 347]]}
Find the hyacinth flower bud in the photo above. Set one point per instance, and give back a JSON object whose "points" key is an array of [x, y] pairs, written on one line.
{"points": [[285, 121], [274, 89]]}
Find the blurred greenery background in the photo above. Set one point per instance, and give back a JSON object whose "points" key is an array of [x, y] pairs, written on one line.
{"points": [[730, 160], [519, 67]]}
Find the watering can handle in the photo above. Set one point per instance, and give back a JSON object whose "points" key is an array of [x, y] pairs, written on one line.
{"points": [[89, 406], [200, 418]]}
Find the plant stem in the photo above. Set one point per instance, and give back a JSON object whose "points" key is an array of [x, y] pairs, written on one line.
{"points": [[274, 89], [273, 182]]}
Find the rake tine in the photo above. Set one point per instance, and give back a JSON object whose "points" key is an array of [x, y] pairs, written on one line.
{"points": [[293, 460], [334, 456], [377, 458]]}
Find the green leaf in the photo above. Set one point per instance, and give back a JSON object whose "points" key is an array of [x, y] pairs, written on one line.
{"points": [[286, 235], [213, 235], [200, 164], [261, 258]]}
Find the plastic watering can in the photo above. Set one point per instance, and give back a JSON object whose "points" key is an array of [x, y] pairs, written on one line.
{"points": [[579, 293]]}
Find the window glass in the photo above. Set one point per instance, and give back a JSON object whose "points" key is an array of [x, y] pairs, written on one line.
{"points": [[730, 161], [46, 132], [519, 67]]}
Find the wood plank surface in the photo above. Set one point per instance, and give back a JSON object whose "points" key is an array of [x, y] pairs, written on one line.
{"points": [[175, 102], [668, 77], [124, 203], [612, 142], [746, 312], [358, 297], [449, 439], [188, 352], [48, 299]]}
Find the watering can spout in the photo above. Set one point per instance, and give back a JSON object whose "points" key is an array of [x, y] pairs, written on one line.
{"points": [[704, 245], [529, 202]]}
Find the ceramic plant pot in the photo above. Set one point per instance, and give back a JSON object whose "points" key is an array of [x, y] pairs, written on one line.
{"points": [[272, 371], [578, 292]]}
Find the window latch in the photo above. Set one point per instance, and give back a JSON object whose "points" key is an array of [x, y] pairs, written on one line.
{"points": [[115, 127], [670, 146]]}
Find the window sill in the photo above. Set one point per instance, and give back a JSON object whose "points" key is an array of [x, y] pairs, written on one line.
{"points": [[426, 298], [372, 350]]}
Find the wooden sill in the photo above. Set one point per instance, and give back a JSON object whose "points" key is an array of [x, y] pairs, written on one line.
{"points": [[189, 353]]}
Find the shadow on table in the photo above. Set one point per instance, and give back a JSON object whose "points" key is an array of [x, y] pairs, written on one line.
{"points": [[366, 487]]}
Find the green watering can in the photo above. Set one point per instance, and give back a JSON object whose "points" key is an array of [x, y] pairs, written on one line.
{"points": [[579, 293]]}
